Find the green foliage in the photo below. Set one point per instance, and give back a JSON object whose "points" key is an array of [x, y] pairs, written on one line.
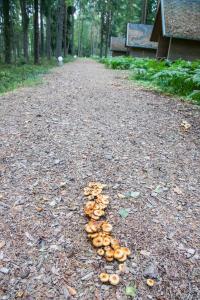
{"points": [[181, 77], [12, 76]]}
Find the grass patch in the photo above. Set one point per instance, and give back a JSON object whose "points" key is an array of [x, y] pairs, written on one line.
{"points": [[181, 78], [13, 76]]}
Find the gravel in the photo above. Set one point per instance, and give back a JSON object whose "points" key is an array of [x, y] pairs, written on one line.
{"points": [[86, 123]]}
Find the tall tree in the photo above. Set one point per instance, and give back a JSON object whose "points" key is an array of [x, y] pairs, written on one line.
{"points": [[7, 31], [59, 27], [36, 32], [25, 26], [41, 27], [144, 11]]}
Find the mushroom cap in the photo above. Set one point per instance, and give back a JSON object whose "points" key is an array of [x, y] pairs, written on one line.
{"points": [[118, 254], [126, 251], [107, 227], [96, 218], [151, 282], [106, 241], [94, 235], [109, 259], [123, 259], [99, 213], [114, 279], [104, 277], [88, 228], [109, 253], [98, 242], [100, 252]]}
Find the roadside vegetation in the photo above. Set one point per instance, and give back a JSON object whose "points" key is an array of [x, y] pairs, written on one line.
{"points": [[20, 74], [181, 78]]}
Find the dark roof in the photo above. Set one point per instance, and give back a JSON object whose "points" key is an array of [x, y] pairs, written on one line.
{"points": [[138, 36], [118, 44], [180, 19]]}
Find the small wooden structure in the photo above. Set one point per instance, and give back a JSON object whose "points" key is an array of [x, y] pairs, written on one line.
{"points": [[117, 46], [138, 40], [177, 29]]}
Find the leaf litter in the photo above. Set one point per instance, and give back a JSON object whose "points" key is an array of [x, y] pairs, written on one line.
{"points": [[82, 121]]}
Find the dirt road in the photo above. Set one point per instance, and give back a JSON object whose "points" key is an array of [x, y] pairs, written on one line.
{"points": [[86, 123]]}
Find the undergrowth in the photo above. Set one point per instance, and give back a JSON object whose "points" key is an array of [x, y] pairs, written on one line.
{"points": [[181, 78], [20, 74]]}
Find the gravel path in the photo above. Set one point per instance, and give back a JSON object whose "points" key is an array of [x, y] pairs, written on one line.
{"points": [[86, 123]]}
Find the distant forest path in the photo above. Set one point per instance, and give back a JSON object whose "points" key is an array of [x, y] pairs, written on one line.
{"points": [[86, 123]]}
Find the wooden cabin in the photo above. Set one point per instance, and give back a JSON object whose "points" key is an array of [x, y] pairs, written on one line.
{"points": [[138, 40], [117, 46], [177, 29]]}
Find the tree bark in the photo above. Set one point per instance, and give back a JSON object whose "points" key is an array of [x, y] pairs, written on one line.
{"points": [[59, 29], [25, 25], [144, 11], [48, 34], [36, 33], [7, 31], [65, 31], [102, 34], [41, 29]]}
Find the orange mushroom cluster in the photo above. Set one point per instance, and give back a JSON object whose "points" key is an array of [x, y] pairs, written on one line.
{"points": [[100, 231]]}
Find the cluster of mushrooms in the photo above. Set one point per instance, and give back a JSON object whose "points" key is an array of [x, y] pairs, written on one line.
{"points": [[100, 231]]}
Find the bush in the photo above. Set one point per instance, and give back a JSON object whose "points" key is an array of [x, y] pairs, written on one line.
{"points": [[179, 77]]}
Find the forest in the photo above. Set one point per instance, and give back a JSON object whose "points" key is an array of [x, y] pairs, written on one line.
{"points": [[34, 29]]}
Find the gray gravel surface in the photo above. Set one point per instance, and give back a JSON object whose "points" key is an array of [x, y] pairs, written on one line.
{"points": [[86, 123]]}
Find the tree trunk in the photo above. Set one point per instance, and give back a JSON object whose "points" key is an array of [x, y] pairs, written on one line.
{"points": [[25, 25], [102, 34], [41, 29], [59, 29], [72, 39], [7, 31], [65, 31], [36, 33], [48, 33], [144, 11]]}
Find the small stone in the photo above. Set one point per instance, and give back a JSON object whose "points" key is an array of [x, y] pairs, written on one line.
{"points": [[25, 273], [145, 253], [2, 244], [190, 252], [4, 270], [56, 162], [109, 156], [151, 271], [88, 276]]}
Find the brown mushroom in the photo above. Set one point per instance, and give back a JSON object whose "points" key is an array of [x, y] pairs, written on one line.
{"points": [[114, 279], [98, 242], [104, 277], [118, 254]]}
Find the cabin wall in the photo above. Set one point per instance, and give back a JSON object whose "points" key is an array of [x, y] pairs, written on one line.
{"points": [[142, 52], [185, 49], [163, 46], [118, 53]]}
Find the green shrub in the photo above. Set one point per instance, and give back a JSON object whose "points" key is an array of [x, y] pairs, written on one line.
{"points": [[176, 77], [12, 76]]}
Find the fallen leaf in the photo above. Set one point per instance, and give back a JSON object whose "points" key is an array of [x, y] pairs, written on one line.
{"points": [[2, 244], [71, 290], [120, 196], [132, 195], [19, 294], [124, 212], [177, 190], [185, 126], [131, 291], [39, 209]]}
